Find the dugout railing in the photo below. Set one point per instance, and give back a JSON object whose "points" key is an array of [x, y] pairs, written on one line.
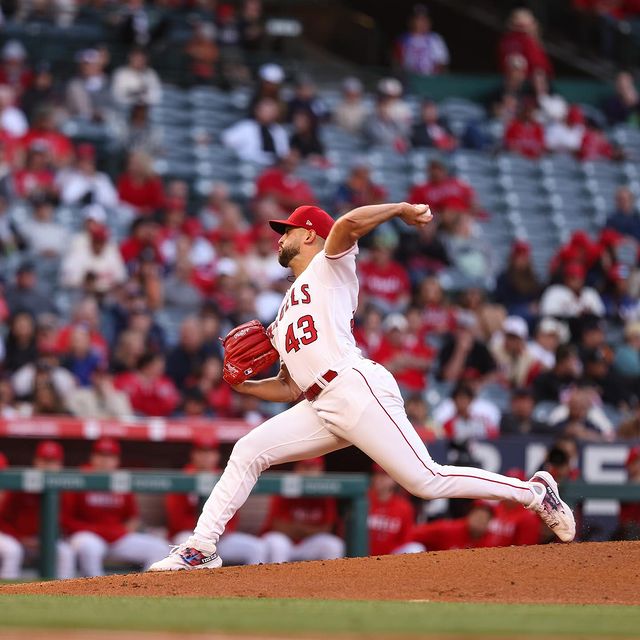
{"points": [[350, 487]]}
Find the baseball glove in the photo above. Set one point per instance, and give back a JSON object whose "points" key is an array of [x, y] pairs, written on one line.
{"points": [[247, 351]]}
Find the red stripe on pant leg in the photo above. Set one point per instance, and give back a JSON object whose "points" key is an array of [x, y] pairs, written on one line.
{"points": [[434, 473]]}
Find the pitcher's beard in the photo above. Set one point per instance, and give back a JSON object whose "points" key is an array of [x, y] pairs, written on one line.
{"points": [[287, 255]]}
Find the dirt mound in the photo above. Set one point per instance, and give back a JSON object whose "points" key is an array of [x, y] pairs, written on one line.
{"points": [[588, 573]]}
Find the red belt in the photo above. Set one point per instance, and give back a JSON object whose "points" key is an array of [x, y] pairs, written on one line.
{"points": [[314, 390]]}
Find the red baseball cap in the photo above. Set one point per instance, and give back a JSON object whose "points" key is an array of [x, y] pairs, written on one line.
{"points": [[207, 441], [574, 270], [106, 447], [306, 217], [520, 247], [4, 463], [49, 450], [634, 454]]}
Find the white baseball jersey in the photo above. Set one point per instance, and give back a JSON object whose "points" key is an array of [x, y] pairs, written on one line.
{"points": [[313, 329]]}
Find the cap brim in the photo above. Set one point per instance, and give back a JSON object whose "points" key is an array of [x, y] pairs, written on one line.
{"points": [[280, 226]]}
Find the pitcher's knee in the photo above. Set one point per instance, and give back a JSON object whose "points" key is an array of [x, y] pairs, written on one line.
{"points": [[247, 455]]}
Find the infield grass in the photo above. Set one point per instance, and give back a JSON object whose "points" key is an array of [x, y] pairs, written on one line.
{"points": [[366, 618]]}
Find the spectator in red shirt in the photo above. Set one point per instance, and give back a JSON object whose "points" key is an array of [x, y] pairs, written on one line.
{"points": [[524, 135], [383, 281], [86, 314], [36, 177], [139, 186], [358, 190], [447, 195], [391, 516], [217, 392], [20, 521], [103, 524], [183, 509], [44, 131], [596, 146], [469, 532], [369, 333], [142, 242], [513, 525], [522, 37], [438, 317], [281, 183], [150, 392], [402, 353], [301, 528], [629, 519]]}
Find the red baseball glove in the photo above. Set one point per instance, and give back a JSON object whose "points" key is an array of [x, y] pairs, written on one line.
{"points": [[247, 351]]}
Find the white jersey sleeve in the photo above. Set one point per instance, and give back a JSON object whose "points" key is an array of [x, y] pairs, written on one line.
{"points": [[336, 271]]}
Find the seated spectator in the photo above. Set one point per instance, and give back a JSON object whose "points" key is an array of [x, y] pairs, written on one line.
{"points": [[43, 374], [142, 134], [431, 130], [422, 251], [522, 37], [183, 509], [38, 175], [358, 190], [26, 294], [418, 413], [629, 518], [580, 417], [14, 67], [420, 50], [565, 131], [258, 139], [383, 281], [471, 255], [93, 253], [616, 295], [301, 528], [105, 525], [89, 93], [351, 112], [271, 78], [382, 128], [139, 187], [202, 53], [549, 335], [83, 184], [185, 359], [472, 531], [519, 420], [20, 521], [465, 424], [463, 350], [391, 516], [305, 138], [627, 355], [438, 317], [518, 287], [598, 374], [306, 99], [180, 292], [625, 218], [524, 135], [624, 105], [571, 298], [20, 346], [403, 354], [513, 86], [45, 401], [513, 524], [596, 146], [80, 359], [517, 366], [251, 25], [551, 385], [44, 130], [12, 120], [142, 243], [85, 313], [368, 332], [45, 238], [552, 107], [150, 391], [580, 249], [44, 90], [136, 83], [445, 193], [129, 348], [281, 183], [100, 399]]}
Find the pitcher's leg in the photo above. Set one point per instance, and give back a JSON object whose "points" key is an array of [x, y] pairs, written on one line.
{"points": [[293, 435], [385, 434]]}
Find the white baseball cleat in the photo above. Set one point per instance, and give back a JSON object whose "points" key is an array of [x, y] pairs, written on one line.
{"points": [[555, 513], [192, 554]]}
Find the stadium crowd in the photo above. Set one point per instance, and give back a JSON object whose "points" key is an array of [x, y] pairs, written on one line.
{"points": [[85, 304]]}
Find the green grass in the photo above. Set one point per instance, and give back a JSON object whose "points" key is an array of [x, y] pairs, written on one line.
{"points": [[317, 616]]}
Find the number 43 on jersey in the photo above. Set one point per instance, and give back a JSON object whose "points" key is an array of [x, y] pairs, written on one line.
{"points": [[305, 328]]}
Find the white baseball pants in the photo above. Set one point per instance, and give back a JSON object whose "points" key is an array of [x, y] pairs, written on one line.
{"points": [[138, 548], [363, 407], [321, 546], [235, 547], [12, 555]]}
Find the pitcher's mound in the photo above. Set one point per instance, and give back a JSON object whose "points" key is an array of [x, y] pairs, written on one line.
{"points": [[596, 573]]}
